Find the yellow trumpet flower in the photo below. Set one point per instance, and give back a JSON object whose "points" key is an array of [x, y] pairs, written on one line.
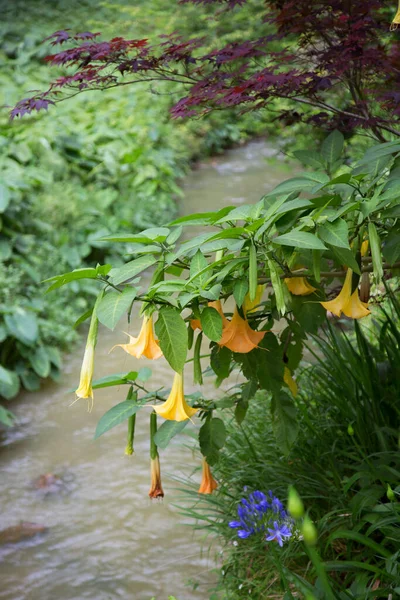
{"points": [[156, 490], [145, 344], [290, 382], [208, 483], [347, 302], [85, 389], [299, 286], [175, 408], [238, 336], [250, 305]]}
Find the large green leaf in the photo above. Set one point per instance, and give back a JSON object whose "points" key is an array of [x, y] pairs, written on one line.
{"points": [[212, 436], [240, 290], [23, 326], [332, 147], [211, 322], [197, 264], [7, 417], [300, 239], [173, 337], [335, 233], [113, 305], [132, 268], [284, 420], [116, 415], [347, 258], [40, 362], [167, 431], [4, 197], [9, 383]]}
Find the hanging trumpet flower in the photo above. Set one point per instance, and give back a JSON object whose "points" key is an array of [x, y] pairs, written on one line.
{"points": [[347, 302], [85, 382], [208, 483], [290, 382], [175, 408], [250, 305], [156, 490], [238, 336], [396, 20], [299, 286], [145, 344]]}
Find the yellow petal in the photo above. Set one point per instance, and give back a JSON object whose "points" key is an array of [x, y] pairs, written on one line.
{"points": [[290, 382], [299, 286], [175, 408], [145, 344], [335, 306], [355, 309], [250, 305], [85, 383]]}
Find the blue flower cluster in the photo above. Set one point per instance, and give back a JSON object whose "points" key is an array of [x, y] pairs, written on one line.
{"points": [[263, 513]]}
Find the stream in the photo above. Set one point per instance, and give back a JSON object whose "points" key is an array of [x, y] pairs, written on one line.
{"points": [[105, 539]]}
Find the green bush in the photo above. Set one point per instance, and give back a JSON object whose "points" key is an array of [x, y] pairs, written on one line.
{"points": [[345, 464]]}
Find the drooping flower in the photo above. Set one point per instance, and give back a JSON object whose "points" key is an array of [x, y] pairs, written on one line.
{"points": [[156, 490], [238, 336], [85, 382], [208, 483], [145, 344], [195, 324], [299, 286], [175, 408], [250, 305], [278, 533], [290, 382], [347, 302], [396, 20]]}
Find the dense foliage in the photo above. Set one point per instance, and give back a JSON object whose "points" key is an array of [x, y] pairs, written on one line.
{"points": [[337, 57], [111, 164], [344, 464]]}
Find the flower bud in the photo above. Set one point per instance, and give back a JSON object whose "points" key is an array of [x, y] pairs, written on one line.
{"points": [[309, 531], [350, 429], [295, 504], [390, 494]]}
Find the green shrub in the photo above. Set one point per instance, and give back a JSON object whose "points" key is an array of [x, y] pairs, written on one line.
{"points": [[345, 464]]}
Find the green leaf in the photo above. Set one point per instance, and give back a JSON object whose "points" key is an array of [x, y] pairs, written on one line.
{"points": [[310, 158], [296, 184], [132, 268], [197, 370], [144, 374], [40, 362], [173, 337], [332, 147], [335, 233], [116, 379], [220, 361], [391, 248], [116, 415], [211, 322], [148, 236], [9, 383], [23, 326], [241, 410], [30, 381], [113, 305], [174, 236], [88, 313], [60, 280], [252, 272], [7, 417], [240, 290], [167, 431], [4, 197], [347, 258], [197, 264], [5, 250], [212, 436], [375, 245], [213, 293], [284, 420], [300, 239]]}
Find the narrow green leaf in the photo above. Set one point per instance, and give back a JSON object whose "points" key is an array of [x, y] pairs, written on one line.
{"points": [[300, 239], [113, 305], [197, 371], [132, 268], [116, 415], [376, 252], [277, 287], [252, 271], [197, 264], [240, 289], [173, 337], [211, 322], [212, 436], [116, 379], [316, 254]]}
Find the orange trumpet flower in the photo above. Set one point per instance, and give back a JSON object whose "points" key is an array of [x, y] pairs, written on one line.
{"points": [[208, 483], [145, 344], [156, 490], [238, 336]]}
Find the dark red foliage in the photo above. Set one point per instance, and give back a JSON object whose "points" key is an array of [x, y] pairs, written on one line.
{"points": [[338, 58]]}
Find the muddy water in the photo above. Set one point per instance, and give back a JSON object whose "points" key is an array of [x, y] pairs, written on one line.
{"points": [[105, 539]]}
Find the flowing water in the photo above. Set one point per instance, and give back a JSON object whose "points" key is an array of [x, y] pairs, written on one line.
{"points": [[105, 539]]}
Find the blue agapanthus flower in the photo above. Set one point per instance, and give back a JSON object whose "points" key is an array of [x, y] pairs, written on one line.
{"points": [[259, 512]]}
